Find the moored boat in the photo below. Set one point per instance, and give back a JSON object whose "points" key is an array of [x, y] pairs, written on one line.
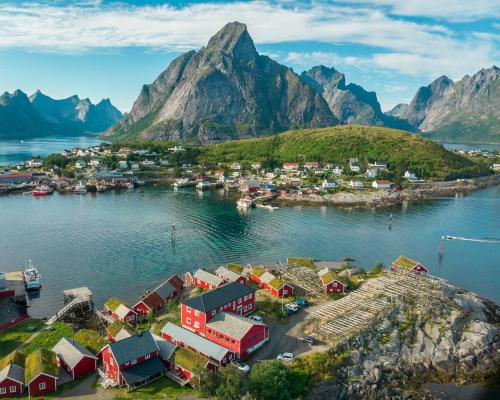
{"points": [[32, 278], [41, 190], [181, 182], [245, 203], [80, 188]]}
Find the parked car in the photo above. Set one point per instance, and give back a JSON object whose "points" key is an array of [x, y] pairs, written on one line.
{"points": [[307, 339], [288, 357], [292, 307], [302, 302], [256, 318], [241, 366]]}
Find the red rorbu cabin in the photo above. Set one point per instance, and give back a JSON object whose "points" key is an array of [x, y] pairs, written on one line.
{"points": [[408, 264], [75, 359]]}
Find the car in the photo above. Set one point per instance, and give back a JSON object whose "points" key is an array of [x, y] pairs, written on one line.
{"points": [[302, 302], [288, 357], [241, 366], [307, 339], [292, 307], [256, 318]]}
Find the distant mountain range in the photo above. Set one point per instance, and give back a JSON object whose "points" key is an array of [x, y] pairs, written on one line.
{"points": [[463, 111], [23, 117]]}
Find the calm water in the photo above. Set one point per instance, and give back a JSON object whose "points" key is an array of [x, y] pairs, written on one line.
{"points": [[14, 151], [119, 244]]}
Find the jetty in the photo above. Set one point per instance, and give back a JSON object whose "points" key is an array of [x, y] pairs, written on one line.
{"points": [[74, 299]]}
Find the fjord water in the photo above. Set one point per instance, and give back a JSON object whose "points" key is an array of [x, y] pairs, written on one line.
{"points": [[119, 244]]}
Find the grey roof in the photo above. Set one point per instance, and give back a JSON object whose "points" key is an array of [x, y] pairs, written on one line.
{"points": [[70, 352], [194, 341], [267, 277], [133, 347], [14, 372], [227, 274], [142, 371], [165, 290], [215, 298], [122, 310], [208, 277], [166, 348], [231, 324]]}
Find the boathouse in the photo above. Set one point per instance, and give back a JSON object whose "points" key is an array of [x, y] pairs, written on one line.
{"points": [[75, 359], [270, 282], [12, 375], [41, 372], [120, 311], [239, 334], [119, 330], [230, 276], [206, 280], [331, 282], [406, 263], [232, 297]]}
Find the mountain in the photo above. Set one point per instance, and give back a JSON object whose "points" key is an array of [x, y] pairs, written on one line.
{"points": [[223, 91], [463, 111], [39, 115], [400, 149], [19, 119], [351, 104]]}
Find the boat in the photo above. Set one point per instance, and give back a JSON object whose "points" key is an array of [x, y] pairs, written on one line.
{"points": [[101, 186], [80, 188], [32, 279], [245, 203], [268, 207], [41, 190], [129, 185], [139, 182], [181, 182]]}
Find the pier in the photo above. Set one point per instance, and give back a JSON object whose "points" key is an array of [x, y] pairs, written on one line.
{"points": [[75, 299]]}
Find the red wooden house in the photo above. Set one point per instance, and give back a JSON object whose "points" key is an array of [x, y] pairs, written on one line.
{"points": [[239, 334], [134, 361], [271, 283], [156, 299], [331, 282], [214, 355], [232, 297], [41, 372], [120, 311], [230, 276], [75, 359], [12, 375], [408, 264], [204, 279]]}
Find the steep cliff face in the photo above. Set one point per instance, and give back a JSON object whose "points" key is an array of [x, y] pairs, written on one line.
{"points": [[351, 104], [224, 91], [467, 110]]}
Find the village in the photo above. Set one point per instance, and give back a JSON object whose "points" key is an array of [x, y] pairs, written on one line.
{"points": [[100, 168], [206, 320]]}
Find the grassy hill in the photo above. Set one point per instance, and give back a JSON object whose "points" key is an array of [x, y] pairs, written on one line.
{"points": [[400, 149]]}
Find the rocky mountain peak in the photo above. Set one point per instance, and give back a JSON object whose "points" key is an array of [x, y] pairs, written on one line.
{"points": [[234, 40]]}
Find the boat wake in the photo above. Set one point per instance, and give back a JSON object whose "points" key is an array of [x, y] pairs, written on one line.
{"points": [[481, 240]]}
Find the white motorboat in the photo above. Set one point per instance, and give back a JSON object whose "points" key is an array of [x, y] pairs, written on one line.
{"points": [[32, 279]]}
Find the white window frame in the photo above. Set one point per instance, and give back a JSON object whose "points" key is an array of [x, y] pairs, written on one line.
{"points": [[245, 309], [250, 296], [188, 309], [240, 301], [197, 312], [13, 389], [3, 390], [133, 362], [245, 298], [196, 324], [285, 291], [147, 356], [250, 306], [41, 386]]}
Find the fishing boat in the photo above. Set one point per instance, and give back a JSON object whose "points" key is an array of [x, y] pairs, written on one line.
{"points": [[80, 188], [32, 279], [245, 203], [41, 190]]}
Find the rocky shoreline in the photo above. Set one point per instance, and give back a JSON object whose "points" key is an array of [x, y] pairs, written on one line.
{"points": [[382, 198], [456, 342]]}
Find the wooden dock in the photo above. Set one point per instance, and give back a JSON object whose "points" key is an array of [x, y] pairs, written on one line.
{"points": [[78, 298]]}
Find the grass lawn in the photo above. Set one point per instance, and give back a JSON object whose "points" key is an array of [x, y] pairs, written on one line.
{"points": [[268, 306], [17, 335], [159, 389], [48, 338]]}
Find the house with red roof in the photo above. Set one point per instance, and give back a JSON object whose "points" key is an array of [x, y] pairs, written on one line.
{"points": [[75, 359], [408, 264], [156, 299], [382, 184], [271, 283], [291, 166]]}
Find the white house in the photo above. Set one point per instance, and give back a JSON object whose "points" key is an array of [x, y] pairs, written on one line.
{"points": [[80, 164], [236, 174], [495, 167], [123, 164], [371, 173], [35, 162], [354, 165], [236, 166], [177, 149], [94, 163], [135, 166], [337, 170], [148, 163], [255, 165], [378, 165], [381, 184], [328, 184], [356, 184], [410, 175], [270, 175]]}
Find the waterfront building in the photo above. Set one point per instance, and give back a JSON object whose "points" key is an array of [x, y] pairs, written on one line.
{"points": [[230, 276], [382, 184], [41, 372], [12, 375], [204, 279], [155, 300], [331, 282], [119, 330], [406, 263], [119, 311], [75, 359], [271, 283]]}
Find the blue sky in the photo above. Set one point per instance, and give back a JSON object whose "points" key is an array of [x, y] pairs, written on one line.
{"points": [[101, 49]]}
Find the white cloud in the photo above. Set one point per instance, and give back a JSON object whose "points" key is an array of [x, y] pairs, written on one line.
{"points": [[451, 10]]}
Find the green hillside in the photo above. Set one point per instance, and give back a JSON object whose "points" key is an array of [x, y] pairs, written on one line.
{"points": [[400, 149]]}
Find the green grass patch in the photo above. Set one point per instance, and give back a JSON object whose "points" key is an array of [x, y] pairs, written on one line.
{"points": [[113, 303], [91, 340], [47, 339], [14, 337], [159, 389], [237, 268], [305, 262]]}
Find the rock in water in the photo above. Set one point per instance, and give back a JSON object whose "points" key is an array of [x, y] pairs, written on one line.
{"points": [[223, 91]]}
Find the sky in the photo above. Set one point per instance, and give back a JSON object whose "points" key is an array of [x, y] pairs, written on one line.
{"points": [[109, 49]]}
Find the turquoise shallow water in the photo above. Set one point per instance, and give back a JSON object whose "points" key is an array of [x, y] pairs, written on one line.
{"points": [[119, 244]]}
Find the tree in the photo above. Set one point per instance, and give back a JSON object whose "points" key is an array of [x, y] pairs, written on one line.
{"points": [[269, 381], [209, 382], [233, 384]]}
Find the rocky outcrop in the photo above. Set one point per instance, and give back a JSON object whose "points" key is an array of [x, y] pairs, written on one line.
{"points": [[39, 115], [223, 91], [351, 104], [467, 110], [457, 342]]}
